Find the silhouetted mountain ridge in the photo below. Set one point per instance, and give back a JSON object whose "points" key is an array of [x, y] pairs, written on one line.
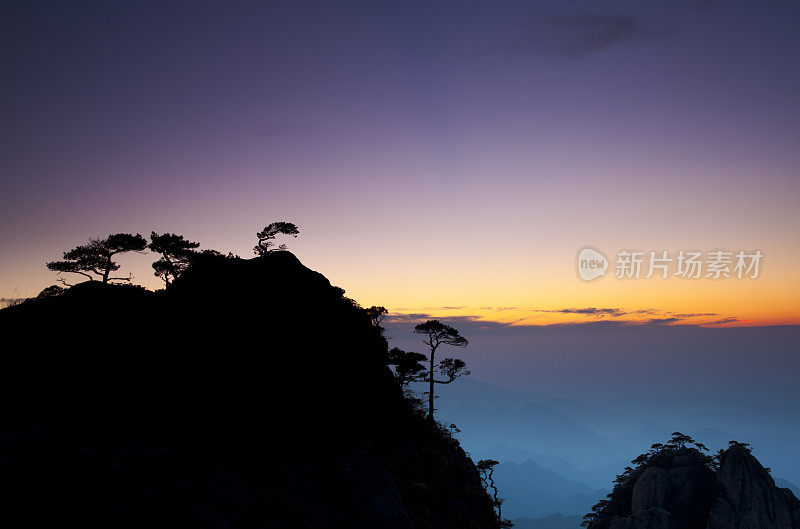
{"points": [[249, 394]]}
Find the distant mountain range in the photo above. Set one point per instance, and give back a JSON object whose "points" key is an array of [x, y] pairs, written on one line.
{"points": [[553, 521], [536, 423], [557, 454], [595, 477], [532, 490], [538, 428]]}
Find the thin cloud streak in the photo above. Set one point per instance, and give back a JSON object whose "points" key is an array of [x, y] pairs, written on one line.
{"points": [[601, 316]]}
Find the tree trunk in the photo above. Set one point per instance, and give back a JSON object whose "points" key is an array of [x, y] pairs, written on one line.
{"points": [[430, 389], [497, 503], [109, 265]]}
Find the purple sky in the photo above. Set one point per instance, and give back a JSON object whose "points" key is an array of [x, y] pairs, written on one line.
{"points": [[437, 155], [514, 131]]}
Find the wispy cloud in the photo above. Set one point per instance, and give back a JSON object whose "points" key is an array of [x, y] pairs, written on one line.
{"points": [[584, 315], [722, 321], [663, 316], [577, 35], [588, 311], [416, 317], [662, 321]]}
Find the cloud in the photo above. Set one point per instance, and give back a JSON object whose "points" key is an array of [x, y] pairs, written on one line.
{"points": [[662, 321], [577, 35], [471, 324], [722, 321], [647, 311], [605, 316], [395, 320], [663, 316], [591, 311], [411, 318]]}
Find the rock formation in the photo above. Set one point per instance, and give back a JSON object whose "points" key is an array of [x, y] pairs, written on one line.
{"points": [[747, 496], [684, 489]]}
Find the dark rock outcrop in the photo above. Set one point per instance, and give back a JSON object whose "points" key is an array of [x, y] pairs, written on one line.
{"points": [[673, 492], [251, 394], [748, 497], [680, 491], [651, 518], [652, 489]]}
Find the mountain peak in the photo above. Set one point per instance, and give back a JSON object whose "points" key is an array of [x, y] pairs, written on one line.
{"points": [[748, 497], [681, 488], [250, 393]]}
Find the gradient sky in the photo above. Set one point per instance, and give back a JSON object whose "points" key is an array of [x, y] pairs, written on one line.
{"points": [[433, 154]]}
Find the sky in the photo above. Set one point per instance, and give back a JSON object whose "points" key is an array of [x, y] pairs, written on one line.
{"points": [[440, 158]]}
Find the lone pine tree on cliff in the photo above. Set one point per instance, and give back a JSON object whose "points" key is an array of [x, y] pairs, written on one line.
{"points": [[96, 259], [267, 236], [434, 335], [486, 470]]}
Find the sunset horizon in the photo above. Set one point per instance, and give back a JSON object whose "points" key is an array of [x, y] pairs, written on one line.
{"points": [[325, 264]]}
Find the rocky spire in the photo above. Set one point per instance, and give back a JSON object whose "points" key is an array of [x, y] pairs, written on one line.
{"points": [[747, 496]]}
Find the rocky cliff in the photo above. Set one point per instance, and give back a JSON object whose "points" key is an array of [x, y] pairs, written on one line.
{"points": [[747, 497], [681, 488], [251, 394]]}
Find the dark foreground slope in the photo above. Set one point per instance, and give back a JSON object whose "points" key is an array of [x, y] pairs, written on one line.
{"points": [[683, 489], [252, 394]]}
